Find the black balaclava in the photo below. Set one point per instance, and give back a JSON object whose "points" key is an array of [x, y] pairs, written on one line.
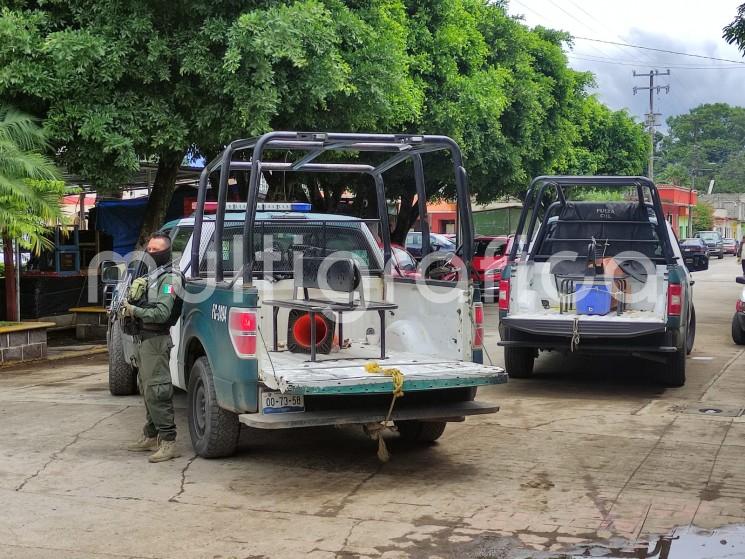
{"points": [[162, 257]]}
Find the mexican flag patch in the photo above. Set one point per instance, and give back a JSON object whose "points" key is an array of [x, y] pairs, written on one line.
{"points": [[167, 288]]}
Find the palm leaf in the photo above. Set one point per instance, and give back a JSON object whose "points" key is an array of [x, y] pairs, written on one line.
{"points": [[30, 191]]}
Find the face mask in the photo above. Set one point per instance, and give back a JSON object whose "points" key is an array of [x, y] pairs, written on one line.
{"points": [[161, 257]]}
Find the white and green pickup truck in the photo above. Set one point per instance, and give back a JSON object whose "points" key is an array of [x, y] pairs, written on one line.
{"points": [[596, 269], [310, 327]]}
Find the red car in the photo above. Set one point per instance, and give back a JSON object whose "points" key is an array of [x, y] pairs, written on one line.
{"points": [[404, 264], [489, 259]]}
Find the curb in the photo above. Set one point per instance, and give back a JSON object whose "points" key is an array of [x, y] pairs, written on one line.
{"points": [[94, 350]]}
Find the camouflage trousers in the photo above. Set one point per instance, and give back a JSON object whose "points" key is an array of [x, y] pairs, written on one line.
{"points": [[155, 385]]}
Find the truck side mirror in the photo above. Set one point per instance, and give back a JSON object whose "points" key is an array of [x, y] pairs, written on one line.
{"points": [[111, 272]]}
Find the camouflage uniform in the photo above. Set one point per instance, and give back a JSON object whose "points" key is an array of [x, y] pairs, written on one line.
{"points": [[153, 353]]}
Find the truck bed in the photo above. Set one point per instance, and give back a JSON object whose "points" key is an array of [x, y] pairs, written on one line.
{"points": [[294, 373]]}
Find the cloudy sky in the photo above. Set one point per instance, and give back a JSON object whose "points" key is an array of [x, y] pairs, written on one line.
{"points": [[693, 27]]}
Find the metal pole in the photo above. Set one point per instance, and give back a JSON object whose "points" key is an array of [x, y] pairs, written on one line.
{"points": [[18, 280], [651, 126], [651, 116], [690, 206]]}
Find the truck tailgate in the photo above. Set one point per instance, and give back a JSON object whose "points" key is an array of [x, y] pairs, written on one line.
{"points": [[348, 376]]}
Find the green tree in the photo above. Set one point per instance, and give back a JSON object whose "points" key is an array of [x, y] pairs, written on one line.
{"points": [[734, 33], [731, 176], [29, 191], [606, 142], [674, 173], [703, 217], [123, 81], [502, 91], [702, 142], [119, 82]]}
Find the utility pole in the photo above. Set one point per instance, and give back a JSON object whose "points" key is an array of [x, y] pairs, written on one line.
{"points": [[651, 115]]}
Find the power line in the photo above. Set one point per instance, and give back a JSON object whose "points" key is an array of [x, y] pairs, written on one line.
{"points": [[604, 27], [593, 58], [661, 50], [547, 20]]}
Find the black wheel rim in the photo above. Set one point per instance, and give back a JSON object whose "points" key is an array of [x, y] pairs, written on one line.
{"points": [[199, 411]]}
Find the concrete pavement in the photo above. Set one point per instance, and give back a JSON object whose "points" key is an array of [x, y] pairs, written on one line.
{"points": [[586, 452]]}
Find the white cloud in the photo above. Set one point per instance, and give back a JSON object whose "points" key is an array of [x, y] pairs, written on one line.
{"points": [[691, 27]]}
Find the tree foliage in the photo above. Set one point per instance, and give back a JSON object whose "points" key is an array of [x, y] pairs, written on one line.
{"points": [[708, 142], [734, 33], [607, 142], [703, 216], [30, 191], [120, 81]]}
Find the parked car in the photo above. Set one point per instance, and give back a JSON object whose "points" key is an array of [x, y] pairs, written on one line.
{"points": [[489, 259], [738, 320], [404, 264], [695, 254], [713, 240], [591, 276], [730, 246], [437, 242]]}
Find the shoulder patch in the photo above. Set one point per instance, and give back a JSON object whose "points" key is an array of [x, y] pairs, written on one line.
{"points": [[167, 288]]}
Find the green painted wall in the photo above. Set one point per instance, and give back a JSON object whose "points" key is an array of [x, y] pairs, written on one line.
{"points": [[502, 221]]}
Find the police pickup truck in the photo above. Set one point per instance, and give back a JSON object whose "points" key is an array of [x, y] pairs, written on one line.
{"points": [[310, 328], [596, 268]]}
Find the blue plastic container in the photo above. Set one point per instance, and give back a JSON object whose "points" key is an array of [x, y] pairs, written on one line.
{"points": [[592, 299]]}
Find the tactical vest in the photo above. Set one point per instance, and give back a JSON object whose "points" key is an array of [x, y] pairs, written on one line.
{"points": [[135, 326]]}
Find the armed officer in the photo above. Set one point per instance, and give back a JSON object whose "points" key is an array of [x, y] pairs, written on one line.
{"points": [[151, 308]]}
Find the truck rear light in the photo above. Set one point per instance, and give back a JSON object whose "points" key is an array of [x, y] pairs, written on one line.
{"points": [[242, 325], [478, 325], [674, 299], [504, 294]]}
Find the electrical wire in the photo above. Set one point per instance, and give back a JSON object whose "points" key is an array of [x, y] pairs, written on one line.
{"points": [[591, 58], [678, 53]]}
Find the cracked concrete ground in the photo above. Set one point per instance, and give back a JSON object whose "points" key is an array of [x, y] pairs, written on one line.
{"points": [[587, 451]]}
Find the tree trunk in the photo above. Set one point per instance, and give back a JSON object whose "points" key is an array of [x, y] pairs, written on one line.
{"points": [[12, 313], [161, 194], [408, 213]]}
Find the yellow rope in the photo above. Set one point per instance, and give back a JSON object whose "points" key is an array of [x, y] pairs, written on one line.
{"points": [[376, 429], [396, 376]]}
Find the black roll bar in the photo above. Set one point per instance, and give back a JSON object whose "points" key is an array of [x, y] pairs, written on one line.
{"points": [[402, 146], [421, 195], [560, 182]]}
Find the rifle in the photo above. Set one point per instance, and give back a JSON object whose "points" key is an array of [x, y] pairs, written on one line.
{"points": [[122, 290]]}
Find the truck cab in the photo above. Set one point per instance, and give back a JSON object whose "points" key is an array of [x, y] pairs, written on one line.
{"points": [[310, 327]]}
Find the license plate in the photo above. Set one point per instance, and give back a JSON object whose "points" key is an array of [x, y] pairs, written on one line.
{"points": [[276, 402], [689, 260]]}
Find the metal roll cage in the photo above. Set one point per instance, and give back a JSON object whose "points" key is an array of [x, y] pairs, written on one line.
{"points": [[403, 146], [539, 186]]}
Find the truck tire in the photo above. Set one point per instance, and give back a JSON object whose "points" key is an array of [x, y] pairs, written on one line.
{"points": [[691, 332], [421, 431], [122, 375], [721, 255], [674, 369], [738, 334], [214, 431], [519, 361]]}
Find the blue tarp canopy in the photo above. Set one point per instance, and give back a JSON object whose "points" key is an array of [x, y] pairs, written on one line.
{"points": [[122, 219]]}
